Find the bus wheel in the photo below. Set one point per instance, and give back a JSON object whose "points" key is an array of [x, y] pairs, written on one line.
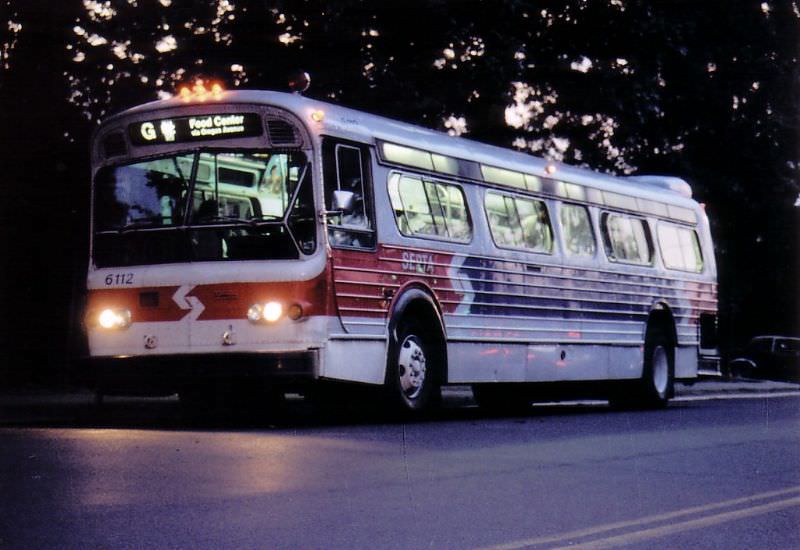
{"points": [[659, 370], [656, 386], [412, 376]]}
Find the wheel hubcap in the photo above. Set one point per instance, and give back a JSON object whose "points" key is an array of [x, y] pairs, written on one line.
{"points": [[411, 366], [660, 370]]}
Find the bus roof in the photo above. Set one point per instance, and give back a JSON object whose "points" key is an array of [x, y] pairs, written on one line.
{"points": [[361, 126]]}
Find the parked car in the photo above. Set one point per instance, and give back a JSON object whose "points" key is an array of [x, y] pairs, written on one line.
{"points": [[769, 357]]}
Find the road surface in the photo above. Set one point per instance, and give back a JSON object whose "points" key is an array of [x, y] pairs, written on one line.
{"points": [[703, 473]]}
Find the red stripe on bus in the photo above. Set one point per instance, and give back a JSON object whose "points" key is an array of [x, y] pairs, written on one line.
{"points": [[219, 301]]}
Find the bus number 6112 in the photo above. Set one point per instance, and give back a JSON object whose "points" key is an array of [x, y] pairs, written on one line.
{"points": [[119, 279]]}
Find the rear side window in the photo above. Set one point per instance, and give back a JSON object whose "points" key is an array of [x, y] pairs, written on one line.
{"points": [[576, 226], [627, 239], [429, 209], [517, 222], [680, 248]]}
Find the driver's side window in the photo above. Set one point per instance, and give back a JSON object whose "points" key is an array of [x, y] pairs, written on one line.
{"points": [[347, 169]]}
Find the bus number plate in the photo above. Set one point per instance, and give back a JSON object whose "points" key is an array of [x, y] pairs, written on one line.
{"points": [[119, 279]]}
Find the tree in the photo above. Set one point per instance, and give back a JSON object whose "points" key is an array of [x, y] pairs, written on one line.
{"points": [[704, 90]]}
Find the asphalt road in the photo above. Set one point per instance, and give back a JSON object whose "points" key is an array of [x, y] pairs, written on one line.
{"points": [[700, 474]]}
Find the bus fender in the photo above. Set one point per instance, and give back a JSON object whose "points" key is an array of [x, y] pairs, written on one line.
{"points": [[404, 299], [407, 299]]}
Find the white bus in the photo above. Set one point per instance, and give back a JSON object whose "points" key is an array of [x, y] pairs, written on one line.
{"points": [[257, 237]]}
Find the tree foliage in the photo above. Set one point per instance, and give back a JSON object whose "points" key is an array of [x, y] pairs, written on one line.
{"points": [[704, 90]]}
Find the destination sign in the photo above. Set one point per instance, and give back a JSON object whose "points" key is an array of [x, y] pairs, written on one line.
{"points": [[195, 128]]}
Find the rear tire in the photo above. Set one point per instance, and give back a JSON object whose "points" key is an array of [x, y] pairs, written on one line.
{"points": [[657, 384]]}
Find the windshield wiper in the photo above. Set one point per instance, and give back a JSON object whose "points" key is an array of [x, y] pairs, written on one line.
{"points": [[142, 223], [252, 221], [208, 220]]}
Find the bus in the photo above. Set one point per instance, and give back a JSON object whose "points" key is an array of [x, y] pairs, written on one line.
{"points": [[266, 239]]}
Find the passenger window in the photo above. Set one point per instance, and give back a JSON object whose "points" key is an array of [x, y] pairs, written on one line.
{"points": [[518, 222], [680, 248], [425, 208], [346, 168], [576, 227], [417, 212], [627, 239]]}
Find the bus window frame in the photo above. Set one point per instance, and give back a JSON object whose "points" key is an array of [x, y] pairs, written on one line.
{"points": [[554, 252], [607, 246], [330, 146], [562, 234], [426, 178], [693, 230]]}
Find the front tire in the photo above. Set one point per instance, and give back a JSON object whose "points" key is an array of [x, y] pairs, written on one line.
{"points": [[413, 370]]}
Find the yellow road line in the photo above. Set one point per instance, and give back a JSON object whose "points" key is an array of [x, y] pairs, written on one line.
{"points": [[707, 521], [580, 533]]}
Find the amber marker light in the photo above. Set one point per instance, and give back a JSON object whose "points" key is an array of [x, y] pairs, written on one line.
{"points": [[318, 115], [550, 169], [295, 312]]}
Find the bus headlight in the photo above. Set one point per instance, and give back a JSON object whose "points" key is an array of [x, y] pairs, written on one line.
{"points": [[114, 319], [268, 312], [254, 313]]}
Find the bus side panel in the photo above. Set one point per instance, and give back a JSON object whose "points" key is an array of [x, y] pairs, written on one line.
{"points": [[485, 362], [355, 361], [686, 362], [498, 362], [575, 362], [360, 284]]}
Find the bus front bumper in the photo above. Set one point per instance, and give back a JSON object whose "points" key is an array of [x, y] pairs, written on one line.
{"points": [[167, 374]]}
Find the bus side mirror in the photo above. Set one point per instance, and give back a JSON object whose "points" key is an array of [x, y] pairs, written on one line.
{"points": [[344, 201]]}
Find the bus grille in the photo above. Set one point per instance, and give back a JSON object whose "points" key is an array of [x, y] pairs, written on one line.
{"points": [[281, 133]]}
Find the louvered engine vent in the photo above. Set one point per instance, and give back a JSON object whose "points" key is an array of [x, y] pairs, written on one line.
{"points": [[281, 133]]}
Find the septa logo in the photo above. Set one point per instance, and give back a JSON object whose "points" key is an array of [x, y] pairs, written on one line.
{"points": [[192, 304]]}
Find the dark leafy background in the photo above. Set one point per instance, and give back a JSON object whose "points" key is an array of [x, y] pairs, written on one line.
{"points": [[709, 91]]}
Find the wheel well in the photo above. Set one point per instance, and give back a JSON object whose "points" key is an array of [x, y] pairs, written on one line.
{"points": [[661, 318], [421, 310]]}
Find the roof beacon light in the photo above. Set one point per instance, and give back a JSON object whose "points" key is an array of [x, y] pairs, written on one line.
{"points": [[199, 91]]}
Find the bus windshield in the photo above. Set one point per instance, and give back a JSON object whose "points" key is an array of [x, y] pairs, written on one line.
{"points": [[228, 198], [196, 189]]}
